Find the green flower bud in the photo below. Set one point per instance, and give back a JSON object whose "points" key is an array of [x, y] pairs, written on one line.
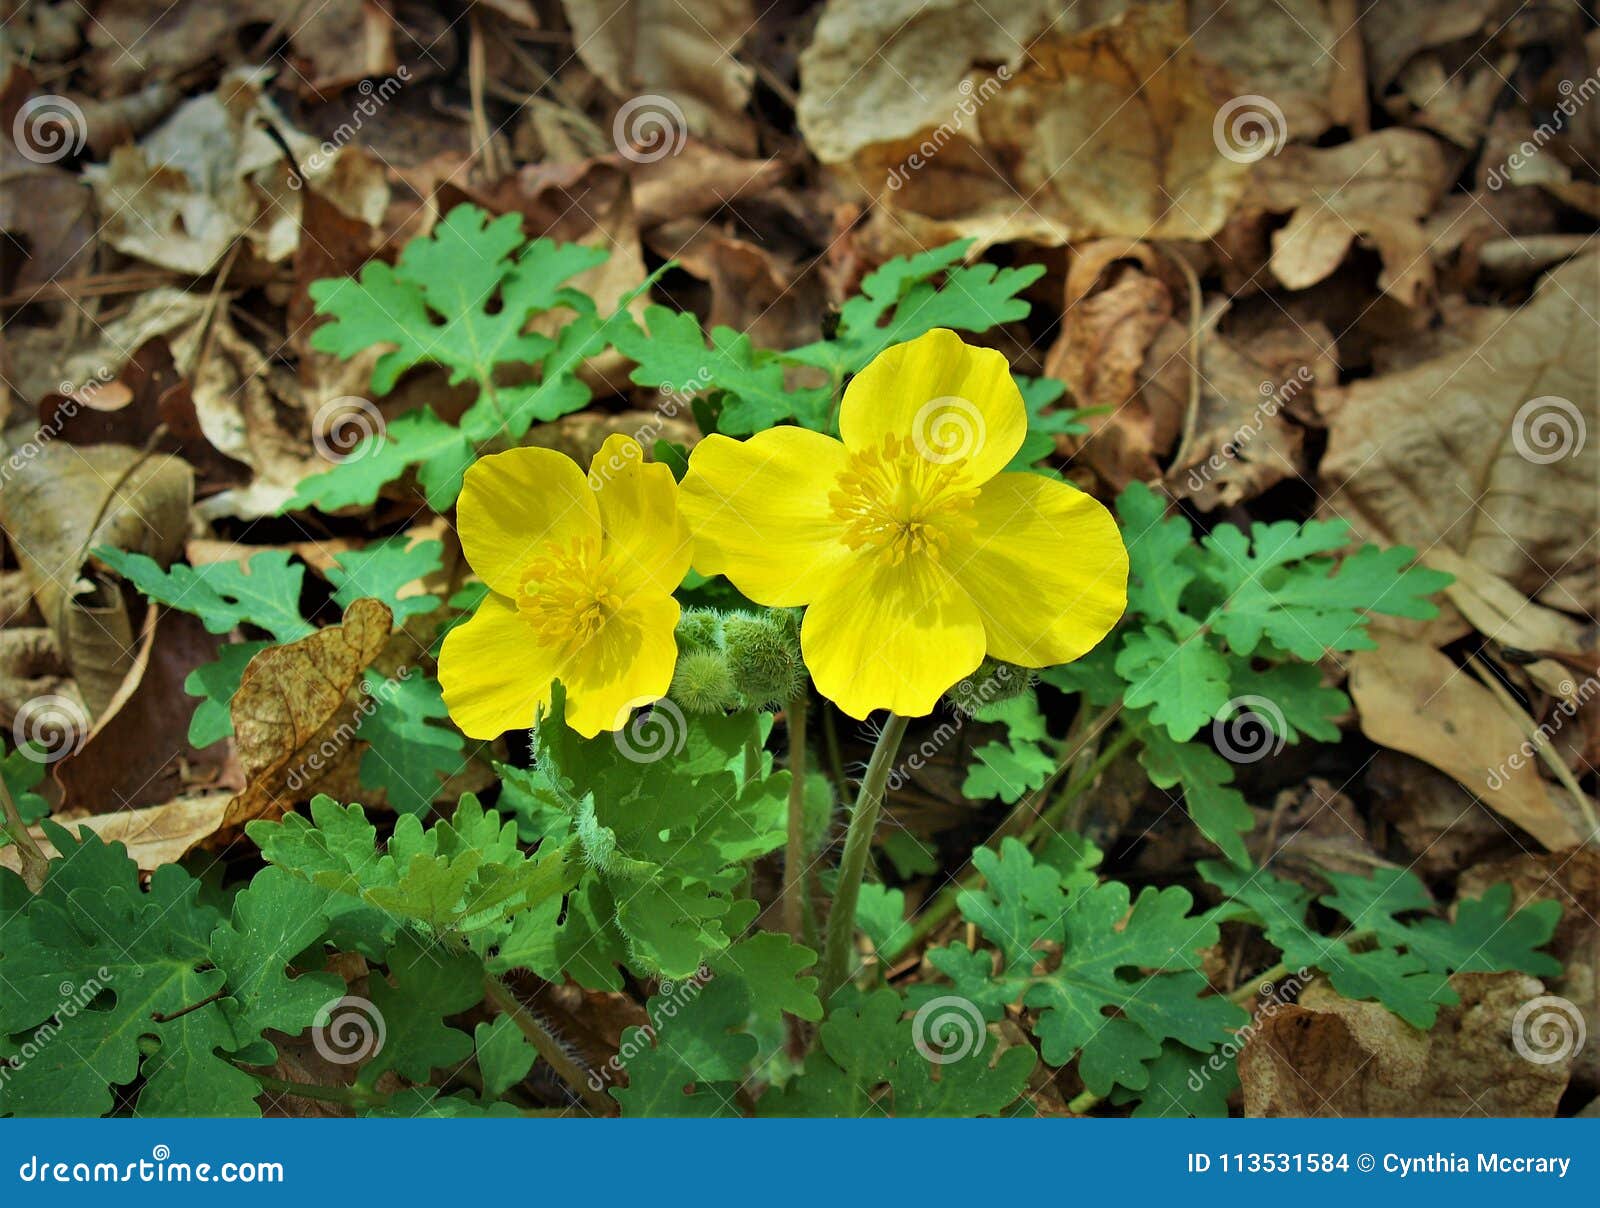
{"points": [[700, 629], [764, 656], [702, 682], [993, 682]]}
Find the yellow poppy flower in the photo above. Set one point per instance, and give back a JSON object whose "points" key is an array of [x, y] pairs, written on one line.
{"points": [[581, 571], [913, 549]]}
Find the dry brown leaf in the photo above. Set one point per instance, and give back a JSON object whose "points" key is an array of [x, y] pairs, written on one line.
{"points": [[646, 50], [1442, 824], [1303, 55], [1411, 698], [210, 174], [1376, 189], [697, 180], [154, 835], [1329, 1057], [1459, 451], [1104, 132], [61, 502], [1573, 879], [292, 702]]}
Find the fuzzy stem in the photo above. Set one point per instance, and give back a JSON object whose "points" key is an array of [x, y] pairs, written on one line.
{"points": [[549, 1048], [35, 867], [857, 849], [795, 854]]}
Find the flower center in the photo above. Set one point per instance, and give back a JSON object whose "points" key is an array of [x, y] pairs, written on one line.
{"points": [[894, 499], [567, 594]]}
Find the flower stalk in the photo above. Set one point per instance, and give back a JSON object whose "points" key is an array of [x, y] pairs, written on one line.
{"points": [[857, 849]]}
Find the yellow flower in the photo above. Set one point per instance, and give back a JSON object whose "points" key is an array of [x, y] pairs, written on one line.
{"points": [[915, 552], [581, 572]]}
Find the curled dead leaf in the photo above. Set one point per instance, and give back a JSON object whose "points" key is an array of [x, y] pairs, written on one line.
{"points": [[295, 713], [1330, 1057]]}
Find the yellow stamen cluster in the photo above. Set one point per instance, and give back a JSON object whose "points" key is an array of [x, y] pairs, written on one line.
{"points": [[567, 594], [894, 499]]}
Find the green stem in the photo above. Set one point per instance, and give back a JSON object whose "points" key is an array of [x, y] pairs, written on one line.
{"points": [[944, 905], [347, 1096], [551, 1049], [752, 761], [34, 865], [857, 850], [795, 854]]}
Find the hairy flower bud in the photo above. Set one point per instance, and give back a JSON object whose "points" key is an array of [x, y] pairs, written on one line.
{"points": [[764, 656]]}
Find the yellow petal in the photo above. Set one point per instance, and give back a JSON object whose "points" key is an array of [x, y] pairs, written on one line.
{"points": [[628, 665], [760, 514], [514, 502], [884, 636], [1046, 567], [954, 402], [494, 675], [639, 511]]}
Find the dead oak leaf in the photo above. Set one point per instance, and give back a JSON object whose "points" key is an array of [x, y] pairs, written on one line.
{"points": [[1467, 449], [154, 835], [1413, 699], [293, 715]]}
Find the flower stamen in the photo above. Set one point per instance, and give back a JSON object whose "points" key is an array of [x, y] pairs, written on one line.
{"points": [[567, 594], [894, 499]]}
